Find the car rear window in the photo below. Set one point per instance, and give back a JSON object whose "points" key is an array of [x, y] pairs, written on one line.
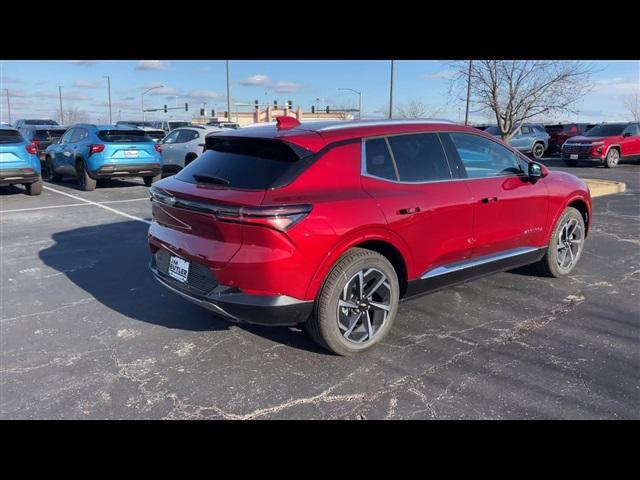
{"points": [[46, 135], [40, 122], [247, 163], [124, 136], [10, 136]]}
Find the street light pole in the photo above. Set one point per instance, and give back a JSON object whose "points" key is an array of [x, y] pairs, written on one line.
{"points": [[60, 98], [144, 115], [109, 90], [8, 105], [359, 100], [466, 115], [228, 93], [391, 93]]}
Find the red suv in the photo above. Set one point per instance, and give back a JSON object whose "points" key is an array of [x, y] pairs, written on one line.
{"points": [[333, 223], [606, 144]]}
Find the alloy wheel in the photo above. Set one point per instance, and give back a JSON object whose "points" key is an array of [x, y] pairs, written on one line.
{"points": [[364, 305], [538, 150], [569, 244]]}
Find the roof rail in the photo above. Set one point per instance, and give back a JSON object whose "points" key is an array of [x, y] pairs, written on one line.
{"points": [[373, 123]]}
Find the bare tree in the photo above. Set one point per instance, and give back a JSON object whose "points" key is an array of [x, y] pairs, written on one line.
{"points": [[632, 103], [415, 109], [72, 115], [520, 90]]}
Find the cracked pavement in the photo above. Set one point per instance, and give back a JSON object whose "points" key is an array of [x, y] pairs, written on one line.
{"points": [[86, 332]]}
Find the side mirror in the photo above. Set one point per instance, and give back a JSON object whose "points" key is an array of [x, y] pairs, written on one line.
{"points": [[537, 170], [626, 134]]}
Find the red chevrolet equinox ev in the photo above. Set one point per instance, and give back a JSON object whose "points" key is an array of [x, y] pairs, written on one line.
{"points": [[333, 223]]}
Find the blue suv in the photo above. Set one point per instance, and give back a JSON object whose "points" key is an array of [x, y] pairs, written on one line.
{"points": [[19, 163], [92, 152]]}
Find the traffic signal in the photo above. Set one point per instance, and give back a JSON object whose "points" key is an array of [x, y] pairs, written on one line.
{"points": [[289, 104], [313, 109], [202, 112], [256, 104], [213, 113], [165, 109], [327, 108], [275, 104], [186, 107]]}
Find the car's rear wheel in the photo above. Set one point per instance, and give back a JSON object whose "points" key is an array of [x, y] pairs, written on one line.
{"points": [[148, 181], [537, 151], [34, 188], [357, 303], [48, 173], [613, 157], [85, 182], [565, 246], [189, 158]]}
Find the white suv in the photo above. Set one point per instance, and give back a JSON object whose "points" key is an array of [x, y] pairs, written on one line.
{"points": [[183, 145]]}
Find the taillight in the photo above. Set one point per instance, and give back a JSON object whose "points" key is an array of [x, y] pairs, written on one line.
{"points": [[278, 218], [32, 149], [158, 147], [96, 148]]}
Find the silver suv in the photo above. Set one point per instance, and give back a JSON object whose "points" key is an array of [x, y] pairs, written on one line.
{"points": [[183, 145]]}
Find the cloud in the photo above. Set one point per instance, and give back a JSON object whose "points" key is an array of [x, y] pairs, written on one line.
{"points": [[441, 75], [54, 94], [164, 91], [83, 63], [616, 86], [206, 94], [255, 81], [126, 99], [4, 80], [151, 65], [285, 87], [85, 84]]}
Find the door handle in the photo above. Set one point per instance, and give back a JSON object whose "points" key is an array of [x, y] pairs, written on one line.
{"points": [[409, 211], [489, 199]]}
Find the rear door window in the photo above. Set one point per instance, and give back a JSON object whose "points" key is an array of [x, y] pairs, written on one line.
{"points": [[78, 135], [419, 157], [187, 135], [246, 163], [10, 136], [484, 158], [378, 159]]}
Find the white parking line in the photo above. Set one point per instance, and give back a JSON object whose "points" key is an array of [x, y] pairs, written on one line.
{"points": [[71, 205], [113, 210]]}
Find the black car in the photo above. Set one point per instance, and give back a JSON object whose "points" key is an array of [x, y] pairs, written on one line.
{"points": [[42, 135]]}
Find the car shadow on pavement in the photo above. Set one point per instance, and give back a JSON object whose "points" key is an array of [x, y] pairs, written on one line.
{"points": [[12, 190], [103, 183], [110, 262]]}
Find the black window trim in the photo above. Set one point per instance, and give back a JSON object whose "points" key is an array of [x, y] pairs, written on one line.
{"points": [[457, 161]]}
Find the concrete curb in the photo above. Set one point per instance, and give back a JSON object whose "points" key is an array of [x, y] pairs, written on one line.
{"points": [[598, 188]]}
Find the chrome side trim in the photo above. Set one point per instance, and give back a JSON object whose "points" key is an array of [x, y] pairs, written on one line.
{"points": [[477, 261]]}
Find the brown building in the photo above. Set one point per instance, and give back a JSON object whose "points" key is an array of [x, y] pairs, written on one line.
{"points": [[269, 115]]}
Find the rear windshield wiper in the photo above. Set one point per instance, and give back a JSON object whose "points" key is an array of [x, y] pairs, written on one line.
{"points": [[201, 178]]}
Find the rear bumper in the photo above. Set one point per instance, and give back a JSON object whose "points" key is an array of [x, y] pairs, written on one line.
{"points": [[17, 175], [127, 170], [240, 307]]}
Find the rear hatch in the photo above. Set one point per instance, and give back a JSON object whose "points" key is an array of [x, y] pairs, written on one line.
{"points": [[13, 153], [128, 146], [212, 200]]}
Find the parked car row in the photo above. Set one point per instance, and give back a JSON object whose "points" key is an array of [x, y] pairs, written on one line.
{"points": [[606, 144]]}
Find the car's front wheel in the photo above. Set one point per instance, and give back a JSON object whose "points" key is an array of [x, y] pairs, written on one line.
{"points": [[357, 303], [148, 181], [537, 151], [48, 173], [613, 157], [565, 246]]}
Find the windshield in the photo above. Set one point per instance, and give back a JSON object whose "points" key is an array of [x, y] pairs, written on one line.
{"points": [[493, 130], [48, 135], [606, 130], [173, 125], [40, 122]]}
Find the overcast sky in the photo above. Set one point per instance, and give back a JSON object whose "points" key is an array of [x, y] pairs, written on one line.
{"points": [[33, 86]]}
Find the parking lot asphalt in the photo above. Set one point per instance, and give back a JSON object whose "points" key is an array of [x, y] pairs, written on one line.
{"points": [[87, 333]]}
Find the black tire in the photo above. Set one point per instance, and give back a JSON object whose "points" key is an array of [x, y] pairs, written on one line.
{"points": [[85, 182], [537, 151], [549, 265], [48, 173], [613, 157], [323, 326], [148, 181], [34, 188], [570, 163]]}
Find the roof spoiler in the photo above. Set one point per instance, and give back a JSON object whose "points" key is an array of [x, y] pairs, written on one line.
{"points": [[286, 123]]}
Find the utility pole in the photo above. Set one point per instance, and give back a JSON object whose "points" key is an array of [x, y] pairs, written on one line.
{"points": [[109, 90], [466, 115], [228, 94], [60, 98], [391, 93], [144, 115], [8, 105], [359, 100]]}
